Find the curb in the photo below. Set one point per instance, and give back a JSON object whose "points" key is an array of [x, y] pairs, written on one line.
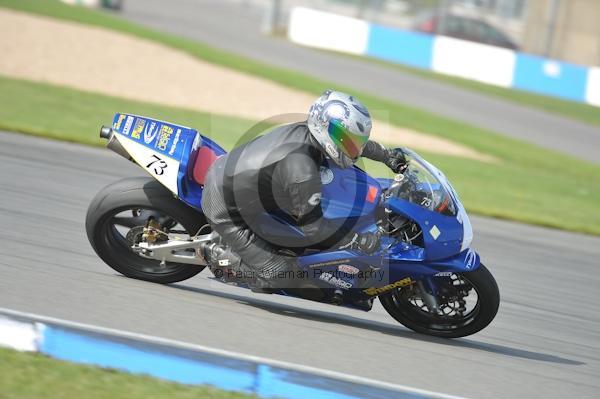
{"points": [[186, 363]]}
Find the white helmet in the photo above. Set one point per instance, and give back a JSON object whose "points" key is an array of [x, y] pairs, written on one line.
{"points": [[341, 125]]}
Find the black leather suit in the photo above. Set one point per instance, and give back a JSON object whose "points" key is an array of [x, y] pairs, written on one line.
{"points": [[276, 172]]}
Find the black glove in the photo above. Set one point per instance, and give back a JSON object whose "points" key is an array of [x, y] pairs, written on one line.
{"points": [[396, 160], [366, 242]]}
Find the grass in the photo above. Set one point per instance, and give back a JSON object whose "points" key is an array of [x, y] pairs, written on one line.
{"points": [[527, 184], [73, 115], [28, 376]]}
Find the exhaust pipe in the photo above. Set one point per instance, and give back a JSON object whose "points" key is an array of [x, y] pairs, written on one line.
{"points": [[106, 132], [113, 144]]}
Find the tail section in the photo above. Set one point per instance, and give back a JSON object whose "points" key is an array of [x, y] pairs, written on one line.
{"points": [[170, 153]]}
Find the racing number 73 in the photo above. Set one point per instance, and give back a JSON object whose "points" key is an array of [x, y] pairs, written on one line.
{"points": [[159, 165]]}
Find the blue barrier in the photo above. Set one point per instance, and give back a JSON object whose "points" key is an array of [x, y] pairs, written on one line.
{"points": [[544, 76], [527, 72], [188, 364], [404, 47], [159, 362]]}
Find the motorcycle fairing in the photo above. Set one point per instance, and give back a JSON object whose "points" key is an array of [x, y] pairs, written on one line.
{"points": [[164, 150], [442, 235], [190, 191], [386, 267], [348, 193], [349, 196]]}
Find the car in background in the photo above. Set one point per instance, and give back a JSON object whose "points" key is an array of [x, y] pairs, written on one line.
{"points": [[464, 28]]}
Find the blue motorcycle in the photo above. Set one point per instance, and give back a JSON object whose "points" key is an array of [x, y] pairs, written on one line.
{"points": [[424, 273]]}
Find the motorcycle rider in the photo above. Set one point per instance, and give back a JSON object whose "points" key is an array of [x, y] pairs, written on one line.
{"points": [[279, 172]]}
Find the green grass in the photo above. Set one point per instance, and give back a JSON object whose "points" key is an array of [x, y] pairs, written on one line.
{"points": [[29, 376], [72, 115], [526, 184]]}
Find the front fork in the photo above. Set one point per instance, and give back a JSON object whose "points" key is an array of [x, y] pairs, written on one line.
{"points": [[428, 293]]}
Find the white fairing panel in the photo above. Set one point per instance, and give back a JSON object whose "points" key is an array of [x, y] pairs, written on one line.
{"points": [[162, 168]]}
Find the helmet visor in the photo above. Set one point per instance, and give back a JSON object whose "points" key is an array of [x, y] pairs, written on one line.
{"points": [[350, 143]]}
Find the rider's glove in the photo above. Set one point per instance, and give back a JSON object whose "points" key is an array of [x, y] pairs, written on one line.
{"points": [[396, 160], [366, 242]]}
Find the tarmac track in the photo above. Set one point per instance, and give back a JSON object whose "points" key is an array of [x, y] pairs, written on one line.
{"points": [[230, 26], [545, 341]]}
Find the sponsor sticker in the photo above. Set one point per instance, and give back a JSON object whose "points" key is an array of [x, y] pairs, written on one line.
{"points": [[329, 263], [470, 259], [175, 141], [163, 137], [138, 129], [150, 133], [336, 281], [128, 123], [398, 284], [348, 269], [117, 124]]}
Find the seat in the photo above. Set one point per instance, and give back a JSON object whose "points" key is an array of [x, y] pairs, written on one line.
{"points": [[205, 157]]}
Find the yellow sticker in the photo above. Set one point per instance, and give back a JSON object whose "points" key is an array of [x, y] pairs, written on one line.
{"points": [[138, 129], [117, 124], [401, 283]]}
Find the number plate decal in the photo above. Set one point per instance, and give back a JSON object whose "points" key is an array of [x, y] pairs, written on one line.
{"points": [[161, 167]]}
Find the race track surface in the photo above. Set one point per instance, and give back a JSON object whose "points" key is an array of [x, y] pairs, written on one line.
{"points": [[544, 342], [230, 26]]}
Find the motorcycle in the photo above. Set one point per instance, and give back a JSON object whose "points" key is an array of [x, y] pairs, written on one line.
{"points": [[423, 272]]}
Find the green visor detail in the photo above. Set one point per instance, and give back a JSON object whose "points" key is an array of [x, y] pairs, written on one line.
{"points": [[350, 143]]}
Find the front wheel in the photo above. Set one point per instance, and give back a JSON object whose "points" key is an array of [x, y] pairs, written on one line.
{"points": [[115, 221], [466, 304]]}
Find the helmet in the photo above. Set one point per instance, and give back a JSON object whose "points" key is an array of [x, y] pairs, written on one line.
{"points": [[341, 125]]}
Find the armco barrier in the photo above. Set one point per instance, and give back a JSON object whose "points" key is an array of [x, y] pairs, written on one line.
{"points": [[188, 364], [470, 60]]}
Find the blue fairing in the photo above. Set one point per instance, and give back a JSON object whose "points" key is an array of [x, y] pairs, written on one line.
{"points": [[348, 195], [451, 232], [190, 191], [174, 141], [348, 192]]}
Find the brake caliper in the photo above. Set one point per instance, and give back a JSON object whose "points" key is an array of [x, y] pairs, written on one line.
{"points": [[153, 232]]}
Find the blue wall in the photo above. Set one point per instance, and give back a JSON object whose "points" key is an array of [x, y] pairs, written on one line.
{"points": [[554, 78], [404, 47]]}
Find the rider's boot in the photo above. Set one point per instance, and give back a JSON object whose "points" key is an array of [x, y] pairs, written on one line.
{"points": [[225, 264]]}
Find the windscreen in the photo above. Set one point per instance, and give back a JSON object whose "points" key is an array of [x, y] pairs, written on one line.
{"points": [[424, 185]]}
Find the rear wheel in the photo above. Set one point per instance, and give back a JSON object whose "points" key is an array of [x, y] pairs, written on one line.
{"points": [[115, 221], [467, 303]]}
